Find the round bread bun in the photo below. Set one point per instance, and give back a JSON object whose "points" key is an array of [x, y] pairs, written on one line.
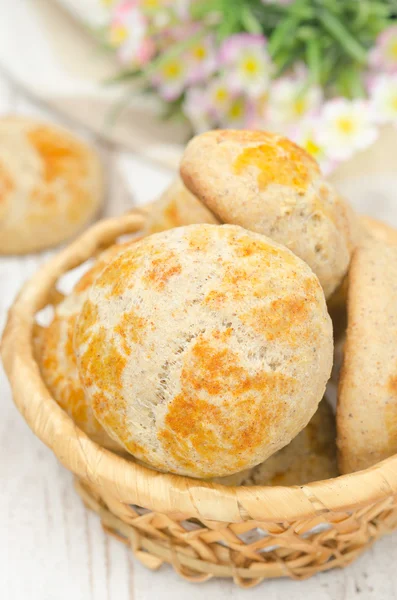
{"points": [[176, 207], [267, 184], [50, 185], [56, 359], [367, 395], [204, 349], [311, 455]]}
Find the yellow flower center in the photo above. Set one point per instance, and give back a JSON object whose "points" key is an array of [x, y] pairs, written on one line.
{"points": [[394, 103], [151, 4], [117, 35], [312, 148], [172, 70], [392, 50], [199, 52], [221, 95], [236, 110], [251, 66], [346, 125], [300, 106]]}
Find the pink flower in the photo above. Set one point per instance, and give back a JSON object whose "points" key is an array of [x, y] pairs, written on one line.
{"points": [[128, 33], [171, 77], [384, 54], [201, 57]]}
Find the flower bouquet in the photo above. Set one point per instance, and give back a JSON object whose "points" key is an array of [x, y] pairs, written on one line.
{"points": [[322, 72]]}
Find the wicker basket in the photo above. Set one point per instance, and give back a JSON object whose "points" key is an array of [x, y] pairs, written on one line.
{"points": [[204, 530]]}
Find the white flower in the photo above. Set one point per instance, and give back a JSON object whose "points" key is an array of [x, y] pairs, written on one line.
{"points": [[201, 57], [383, 56], [306, 134], [247, 63], [219, 96], [383, 96], [171, 77], [346, 126], [290, 99], [239, 114]]}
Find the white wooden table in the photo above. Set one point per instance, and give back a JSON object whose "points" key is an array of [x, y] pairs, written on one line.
{"points": [[51, 547]]}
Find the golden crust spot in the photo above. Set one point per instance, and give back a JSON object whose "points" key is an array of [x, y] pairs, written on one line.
{"points": [[199, 239], [171, 214], [120, 270], [392, 385], [88, 318], [102, 364], [58, 364], [115, 420], [6, 184], [227, 431], [281, 163], [62, 156], [89, 277], [391, 425], [66, 160], [161, 269], [282, 319], [391, 414], [131, 327], [285, 318], [243, 135]]}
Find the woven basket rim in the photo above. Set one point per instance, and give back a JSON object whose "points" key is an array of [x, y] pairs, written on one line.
{"points": [[136, 484]]}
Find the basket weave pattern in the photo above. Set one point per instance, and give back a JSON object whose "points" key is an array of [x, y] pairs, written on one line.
{"points": [[202, 529]]}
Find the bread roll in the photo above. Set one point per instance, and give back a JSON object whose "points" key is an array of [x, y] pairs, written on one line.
{"points": [[367, 400], [57, 362], [50, 185], [204, 349], [267, 184], [176, 207]]}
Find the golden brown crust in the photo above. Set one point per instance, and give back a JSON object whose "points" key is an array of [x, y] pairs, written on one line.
{"points": [[196, 344], [50, 185], [57, 361], [265, 183]]}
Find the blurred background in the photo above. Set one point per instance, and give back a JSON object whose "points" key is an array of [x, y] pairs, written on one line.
{"points": [[147, 74]]}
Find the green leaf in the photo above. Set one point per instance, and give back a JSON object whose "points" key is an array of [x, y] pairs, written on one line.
{"points": [[349, 82], [343, 36], [249, 21], [313, 58], [284, 32]]}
